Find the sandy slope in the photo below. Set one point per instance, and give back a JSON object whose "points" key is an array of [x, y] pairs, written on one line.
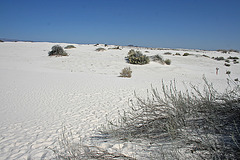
{"points": [[40, 94]]}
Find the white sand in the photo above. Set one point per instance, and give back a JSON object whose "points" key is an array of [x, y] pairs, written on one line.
{"points": [[40, 94]]}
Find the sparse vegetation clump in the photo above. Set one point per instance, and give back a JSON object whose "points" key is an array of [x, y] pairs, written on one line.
{"points": [[233, 50], [157, 58], [219, 58], [168, 61], [1, 40], [222, 50], [69, 47], [228, 72], [205, 56], [227, 51], [100, 49], [136, 57], [57, 51], [227, 61], [178, 54], [226, 64], [126, 72], [186, 54], [168, 53], [230, 57], [206, 122]]}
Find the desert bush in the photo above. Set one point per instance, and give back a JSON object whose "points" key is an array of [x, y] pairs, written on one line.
{"points": [[202, 121], [222, 50], [205, 56], [157, 58], [100, 49], [136, 57], [146, 51], [57, 51], [186, 54], [233, 50], [227, 61], [126, 72], [69, 47], [219, 58], [168, 61], [168, 53], [226, 64], [230, 57], [235, 61], [178, 54], [228, 72], [1, 41]]}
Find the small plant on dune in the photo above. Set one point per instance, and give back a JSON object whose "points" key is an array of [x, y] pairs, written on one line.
{"points": [[228, 72], [205, 56], [136, 57], [178, 54], [1, 41], [69, 47], [100, 49], [227, 60], [235, 61], [57, 51], [126, 72], [227, 65], [219, 58], [186, 54], [157, 58], [168, 61], [233, 50], [230, 57], [168, 53], [222, 50]]}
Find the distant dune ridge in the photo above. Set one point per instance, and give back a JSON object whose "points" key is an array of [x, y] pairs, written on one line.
{"points": [[40, 94]]}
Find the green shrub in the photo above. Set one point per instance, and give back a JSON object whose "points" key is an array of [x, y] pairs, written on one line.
{"points": [[219, 58], [1, 41], [228, 72], [205, 56], [226, 64], [168, 53], [136, 57], [157, 58], [126, 72], [230, 57], [233, 50], [168, 61], [100, 49], [227, 61], [57, 51], [222, 50], [186, 54], [235, 61], [69, 47], [178, 54]]}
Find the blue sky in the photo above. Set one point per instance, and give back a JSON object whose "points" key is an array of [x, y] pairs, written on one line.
{"points": [[202, 24]]}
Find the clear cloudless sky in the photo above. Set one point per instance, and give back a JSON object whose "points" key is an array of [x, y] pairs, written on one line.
{"points": [[199, 24]]}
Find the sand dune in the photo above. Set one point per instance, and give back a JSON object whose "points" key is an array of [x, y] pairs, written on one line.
{"points": [[40, 94]]}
